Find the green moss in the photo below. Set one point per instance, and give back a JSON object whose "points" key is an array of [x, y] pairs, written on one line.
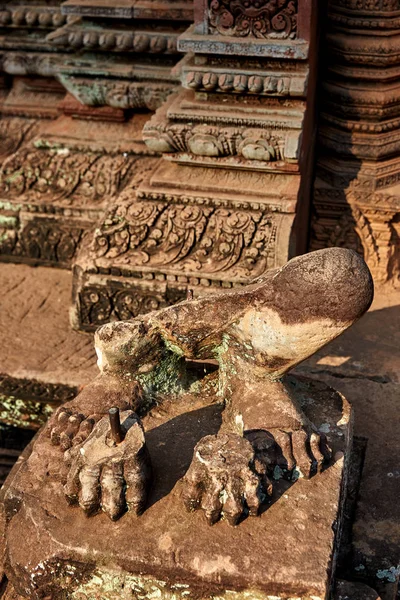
{"points": [[23, 413], [169, 376], [109, 585], [11, 178], [8, 221], [44, 144], [9, 206]]}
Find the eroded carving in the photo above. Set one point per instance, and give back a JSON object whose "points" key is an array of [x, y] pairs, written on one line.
{"points": [[214, 141], [54, 175], [204, 239], [256, 334]]}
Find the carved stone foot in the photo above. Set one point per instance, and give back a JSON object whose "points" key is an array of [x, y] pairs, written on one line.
{"points": [[224, 479], [71, 428], [109, 476], [307, 451]]}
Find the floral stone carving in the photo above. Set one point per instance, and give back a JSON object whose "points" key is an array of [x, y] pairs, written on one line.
{"points": [[253, 18]]}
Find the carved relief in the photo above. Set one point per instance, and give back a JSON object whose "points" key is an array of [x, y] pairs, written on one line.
{"points": [[109, 40], [32, 16], [55, 175], [31, 389], [369, 5], [43, 240], [372, 232], [227, 82], [13, 132], [118, 93], [100, 304], [200, 239], [253, 18], [360, 134], [213, 141]]}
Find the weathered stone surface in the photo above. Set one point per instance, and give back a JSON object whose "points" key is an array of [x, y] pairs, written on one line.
{"points": [[347, 590], [43, 362], [214, 230], [55, 186], [245, 116], [186, 556], [363, 365]]}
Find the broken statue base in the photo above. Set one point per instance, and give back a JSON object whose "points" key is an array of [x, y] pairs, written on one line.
{"points": [[288, 552]]}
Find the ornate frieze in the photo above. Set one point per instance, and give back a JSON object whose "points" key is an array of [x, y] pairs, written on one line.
{"points": [[41, 240], [257, 145], [77, 36], [191, 238], [36, 16], [39, 175], [227, 134], [160, 240], [268, 82], [64, 39], [55, 182]]}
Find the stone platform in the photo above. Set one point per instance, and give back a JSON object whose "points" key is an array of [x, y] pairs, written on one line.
{"points": [[363, 364], [287, 552]]}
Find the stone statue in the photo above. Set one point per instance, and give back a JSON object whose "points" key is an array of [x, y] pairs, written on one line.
{"points": [[255, 334]]}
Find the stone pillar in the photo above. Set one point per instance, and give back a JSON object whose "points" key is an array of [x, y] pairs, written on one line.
{"points": [[357, 189], [230, 197]]}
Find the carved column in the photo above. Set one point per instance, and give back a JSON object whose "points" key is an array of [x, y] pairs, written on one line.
{"points": [[357, 189], [230, 197]]}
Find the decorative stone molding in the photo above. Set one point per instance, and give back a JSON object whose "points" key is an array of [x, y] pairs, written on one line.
{"points": [[77, 36], [356, 195]]}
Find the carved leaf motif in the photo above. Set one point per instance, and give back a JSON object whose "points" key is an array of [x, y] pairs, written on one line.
{"points": [[227, 235], [176, 232], [45, 175], [42, 240], [125, 228], [99, 304], [128, 304], [95, 306], [198, 238], [254, 18]]}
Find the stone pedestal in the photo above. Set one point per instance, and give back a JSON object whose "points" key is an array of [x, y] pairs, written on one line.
{"points": [[287, 552]]}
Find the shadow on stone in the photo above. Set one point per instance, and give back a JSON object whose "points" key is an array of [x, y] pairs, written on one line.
{"points": [[177, 438]]}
